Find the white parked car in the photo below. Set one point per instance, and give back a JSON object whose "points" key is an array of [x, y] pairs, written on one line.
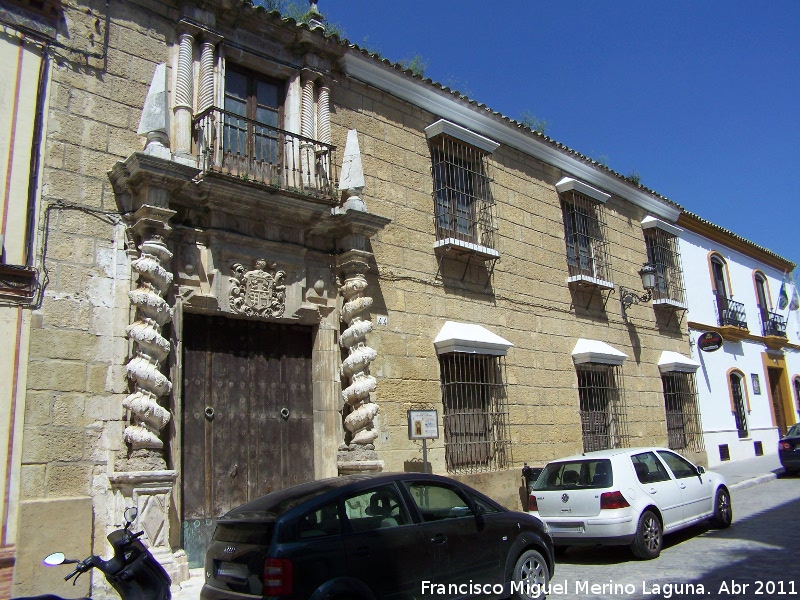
{"points": [[627, 496]]}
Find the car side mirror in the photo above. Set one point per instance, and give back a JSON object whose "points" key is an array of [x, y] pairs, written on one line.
{"points": [[700, 470], [480, 510]]}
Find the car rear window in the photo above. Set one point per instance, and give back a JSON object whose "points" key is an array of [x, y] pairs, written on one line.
{"points": [[245, 533], [571, 475]]}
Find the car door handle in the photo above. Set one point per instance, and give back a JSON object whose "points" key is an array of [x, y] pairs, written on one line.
{"points": [[653, 490], [361, 551], [439, 539], [683, 486]]}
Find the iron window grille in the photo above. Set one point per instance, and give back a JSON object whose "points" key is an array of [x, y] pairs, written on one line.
{"points": [[739, 409], [603, 409], [683, 415], [463, 202], [475, 416], [585, 236], [663, 254]]}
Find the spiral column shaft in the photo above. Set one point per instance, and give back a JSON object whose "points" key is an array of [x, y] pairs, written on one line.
{"points": [[151, 348]]}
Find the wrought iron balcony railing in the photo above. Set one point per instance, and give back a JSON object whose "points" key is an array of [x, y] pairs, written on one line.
{"points": [[773, 324], [235, 145], [730, 312]]}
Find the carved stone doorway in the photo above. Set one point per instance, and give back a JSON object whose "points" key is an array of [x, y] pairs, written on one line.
{"points": [[247, 418]]}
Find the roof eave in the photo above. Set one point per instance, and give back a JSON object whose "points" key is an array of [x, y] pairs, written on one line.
{"points": [[372, 72]]}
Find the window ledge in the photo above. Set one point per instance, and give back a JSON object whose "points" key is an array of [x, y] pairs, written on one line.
{"points": [[586, 280], [455, 244], [669, 302]]}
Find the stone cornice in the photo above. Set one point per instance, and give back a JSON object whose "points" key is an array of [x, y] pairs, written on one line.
{"points": [[439, 103]]}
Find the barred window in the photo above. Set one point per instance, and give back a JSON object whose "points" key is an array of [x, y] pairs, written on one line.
{"points": [[603, 412], [663, 254], [461, 192], [683, 415], [585, 236], [475, 412]]}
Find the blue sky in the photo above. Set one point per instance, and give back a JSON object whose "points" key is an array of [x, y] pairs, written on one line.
{"points": [[699, 98]]}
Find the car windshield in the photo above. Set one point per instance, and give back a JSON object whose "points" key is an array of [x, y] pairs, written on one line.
{"points": [[571, 475], [794, 431]]}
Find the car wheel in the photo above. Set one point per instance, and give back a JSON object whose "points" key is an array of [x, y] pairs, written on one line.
{"points": [[649, 537], [723, 511], [530, 577]]}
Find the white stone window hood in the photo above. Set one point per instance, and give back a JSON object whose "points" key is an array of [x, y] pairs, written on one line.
{"points": [[469, 338], [569, 184], [595, 351], [653, 223], [673, 362]]}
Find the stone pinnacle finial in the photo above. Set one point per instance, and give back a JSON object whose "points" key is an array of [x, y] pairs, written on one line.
{"points": [[315, 18]]}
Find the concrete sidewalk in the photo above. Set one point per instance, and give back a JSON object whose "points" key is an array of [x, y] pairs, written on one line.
{"points": [[750, 472], [740, 474]]}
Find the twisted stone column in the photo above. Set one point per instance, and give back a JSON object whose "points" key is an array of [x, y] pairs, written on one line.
{"points": [[324, 132], [183, 92], [152, 313], [307, 158], [205, 93], [359, 422]]}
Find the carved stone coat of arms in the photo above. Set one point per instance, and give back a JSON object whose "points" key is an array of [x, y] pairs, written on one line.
{"points": [[258, 293]]}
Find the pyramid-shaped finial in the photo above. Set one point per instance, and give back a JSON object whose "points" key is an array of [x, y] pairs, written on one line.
{"points": [[315, 18]]}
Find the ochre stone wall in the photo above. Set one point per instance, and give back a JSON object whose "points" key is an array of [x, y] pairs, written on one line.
{"points": [[528, 301]]}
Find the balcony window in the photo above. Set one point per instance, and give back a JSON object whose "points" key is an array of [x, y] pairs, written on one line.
{"points": [[772, 324], [663, 253], [463, 203], [252, 117], [245, 138], [585, 233], [729, 312]]}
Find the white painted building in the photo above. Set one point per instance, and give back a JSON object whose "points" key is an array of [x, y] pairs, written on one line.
{"points": [[748, 388]]}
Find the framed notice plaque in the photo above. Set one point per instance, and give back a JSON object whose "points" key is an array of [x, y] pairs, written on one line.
{"points": [[423, 425]]}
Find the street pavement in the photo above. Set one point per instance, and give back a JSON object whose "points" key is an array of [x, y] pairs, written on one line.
{"points": [[718, 566]]}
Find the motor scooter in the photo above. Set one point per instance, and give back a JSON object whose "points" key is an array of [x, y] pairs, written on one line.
{"points": [[132, 571]]}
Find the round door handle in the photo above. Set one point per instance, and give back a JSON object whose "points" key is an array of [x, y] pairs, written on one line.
{"points": [[284, 413], [209, 412]]}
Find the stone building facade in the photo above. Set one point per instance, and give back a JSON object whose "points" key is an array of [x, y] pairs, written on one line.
{"points": [[264, 246]]}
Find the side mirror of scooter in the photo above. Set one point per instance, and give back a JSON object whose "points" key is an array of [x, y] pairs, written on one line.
{"points": [[55, 559], [130, 515]]}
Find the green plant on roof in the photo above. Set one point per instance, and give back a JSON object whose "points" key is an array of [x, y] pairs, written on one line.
{"points": [[416, 64], [634, 177], [299, 12], [534, 123]]}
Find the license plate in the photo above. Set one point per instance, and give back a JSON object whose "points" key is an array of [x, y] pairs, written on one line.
{"points": [[233, 570]]}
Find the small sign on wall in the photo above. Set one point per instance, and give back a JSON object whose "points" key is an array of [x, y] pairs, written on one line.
{"points": [[710, 341], [423, 425], [756, 384]]}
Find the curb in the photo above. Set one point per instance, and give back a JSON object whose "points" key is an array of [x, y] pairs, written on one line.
{"points": [[747, 483]]}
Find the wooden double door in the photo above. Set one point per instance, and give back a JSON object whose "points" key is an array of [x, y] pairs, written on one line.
{"points": [[247, 418]]}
